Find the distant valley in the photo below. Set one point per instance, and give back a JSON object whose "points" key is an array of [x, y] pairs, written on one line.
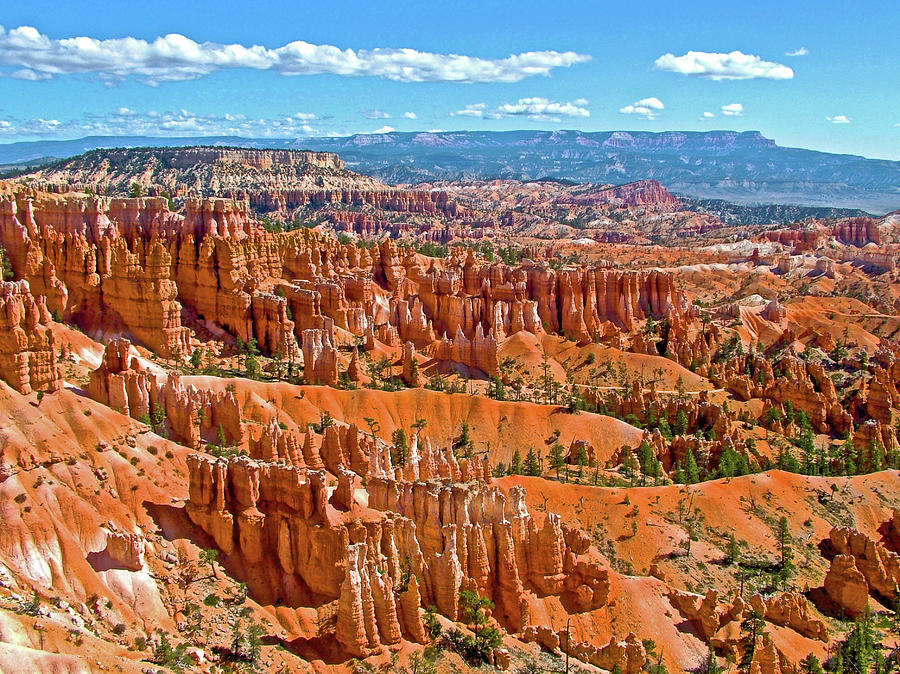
{"points": [[739, 167]]}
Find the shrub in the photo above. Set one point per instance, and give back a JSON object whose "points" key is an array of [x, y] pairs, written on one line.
{"points": [[165, 655]]}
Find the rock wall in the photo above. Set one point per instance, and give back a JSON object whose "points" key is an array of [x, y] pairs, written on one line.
{"points": [[858, 231], [418, 536], [878, 566], [131, 267], [629, 654], [192, 416], [638, 193], [27, 346]]}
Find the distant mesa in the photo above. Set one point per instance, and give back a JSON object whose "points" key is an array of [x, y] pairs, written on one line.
{"points": [[741, 167]]}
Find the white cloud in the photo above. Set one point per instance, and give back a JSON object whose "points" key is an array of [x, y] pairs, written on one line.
{"points": [[471, 110], [535, 108], [375, 113], [708, 115], [384, 129], [733, 110], [646, 107], [127, 122], [718, 66], [410, 115], [28, 74], [542, 109], [839, 119], [803, 51], [176, 57]]}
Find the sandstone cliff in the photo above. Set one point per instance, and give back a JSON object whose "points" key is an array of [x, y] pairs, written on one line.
{"points": [[27, 347], [418, 536]]}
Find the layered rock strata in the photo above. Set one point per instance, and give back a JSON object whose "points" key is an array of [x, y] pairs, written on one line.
{"points": [[193, 416], [417, 538], [132, 267], [28, 351]]}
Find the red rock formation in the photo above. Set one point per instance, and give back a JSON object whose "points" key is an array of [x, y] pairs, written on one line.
{"points": [[297, 546], [142, 266], [712, 618], [99, 262], [273, 329], [192, 415], [638, 193], [410, 366], [894, 532], [794, 611], [879, 566], [126, 550], [767, 659], [27, 345], [353, 373], [309, 553], [857, 231], [320, 356], [629, 655], [275, 443], [846, 586], [800, 240], [704, 612], [774, 311], [481, 352], [804, 384], [121, 382]]}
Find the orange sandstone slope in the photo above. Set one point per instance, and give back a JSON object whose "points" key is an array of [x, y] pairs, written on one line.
{"points": [[645, 532], [623, 603], [497, 428], [77, 480], [226, 460]]}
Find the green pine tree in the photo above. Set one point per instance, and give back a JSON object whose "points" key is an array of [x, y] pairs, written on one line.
{"points": [[751, 630], [691, 471], [811, 665], [401, 447], [733, 549], [581, 459], [531, 466], [859, 651], [786, 566], [515, 466], [680, 427], [557, 460]]}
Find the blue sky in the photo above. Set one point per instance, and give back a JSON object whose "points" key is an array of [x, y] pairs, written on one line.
{"points": [[819, 75]]}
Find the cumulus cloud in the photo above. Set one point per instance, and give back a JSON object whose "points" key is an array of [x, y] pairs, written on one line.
{"points": [[176, 57], [410, 115], [733, 110], [648, 108], [708, 115], [542, 109], [127, 122], [375, 113], [839, 119], [534, 108], [803, 51], [384, 129], [718, 66], [471, 110]]}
